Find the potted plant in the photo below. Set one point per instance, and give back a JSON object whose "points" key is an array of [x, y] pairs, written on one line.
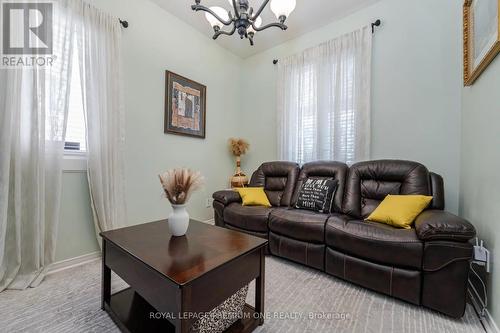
{"points": [[178, 185], [238, 147]]}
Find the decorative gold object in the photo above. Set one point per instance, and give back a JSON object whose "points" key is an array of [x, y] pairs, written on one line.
{"points": [[238, 147], [481, 28]]}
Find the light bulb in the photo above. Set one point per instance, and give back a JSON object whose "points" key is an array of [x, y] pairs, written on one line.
{"points": [[215, 22], [283, 7], [257, 23]]}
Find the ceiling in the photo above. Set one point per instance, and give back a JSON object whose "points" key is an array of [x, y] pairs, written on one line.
{"points": [[308, 15]]}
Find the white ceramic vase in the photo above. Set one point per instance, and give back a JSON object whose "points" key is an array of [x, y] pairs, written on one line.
{"points": [[178, 221]]}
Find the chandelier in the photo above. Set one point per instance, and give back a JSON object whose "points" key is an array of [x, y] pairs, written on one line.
{"points": [[245, 20]]}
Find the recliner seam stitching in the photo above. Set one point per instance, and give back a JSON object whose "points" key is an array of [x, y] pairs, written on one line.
{"points": [[450, 245], [298, 240], [445, 264], [344, 265], [377, 239], [464, 235], [307, 258], [390, 285]]}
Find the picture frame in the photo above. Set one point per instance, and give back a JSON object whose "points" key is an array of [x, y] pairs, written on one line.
{"points": [[185, 106], [481, 28]]}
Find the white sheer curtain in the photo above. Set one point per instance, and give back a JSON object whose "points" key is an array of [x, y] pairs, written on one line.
{"points": [[100, 40], [33, 114], [33, 118], [324, 101]]}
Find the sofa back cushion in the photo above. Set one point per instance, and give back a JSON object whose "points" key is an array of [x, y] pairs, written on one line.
{"points": [[278, 180], [437, 191], [370, 182], [324, 170]]}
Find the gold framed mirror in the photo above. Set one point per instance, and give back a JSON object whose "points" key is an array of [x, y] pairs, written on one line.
{"points": [[481, 36]]}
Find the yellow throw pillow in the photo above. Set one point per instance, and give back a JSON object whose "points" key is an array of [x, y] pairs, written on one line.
{"points": [[400, 210], [253, 196]]}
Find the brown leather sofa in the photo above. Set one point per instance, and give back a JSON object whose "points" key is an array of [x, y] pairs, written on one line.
{"points": [[427, 265]]}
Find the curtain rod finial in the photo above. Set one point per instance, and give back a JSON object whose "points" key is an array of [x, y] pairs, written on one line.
{"points": [[124, 23], [377, 23], [275, 61]]}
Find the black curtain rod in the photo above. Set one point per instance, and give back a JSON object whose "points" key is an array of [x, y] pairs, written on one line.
{"points": [[124, 23], [377, 23]]}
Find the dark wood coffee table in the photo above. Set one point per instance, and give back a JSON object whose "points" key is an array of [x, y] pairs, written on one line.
{"points": [[177, 278]]}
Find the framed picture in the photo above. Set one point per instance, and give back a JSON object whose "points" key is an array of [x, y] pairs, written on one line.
{"points": [[481, 36], [185, 106]]}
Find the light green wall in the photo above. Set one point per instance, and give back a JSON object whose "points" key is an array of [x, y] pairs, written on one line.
{"points": [[480, 176], [157, 41], [76, 234], [416, 86]]}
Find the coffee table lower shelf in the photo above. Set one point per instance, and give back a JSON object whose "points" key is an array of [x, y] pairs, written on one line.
{"points": [[131, 313]]}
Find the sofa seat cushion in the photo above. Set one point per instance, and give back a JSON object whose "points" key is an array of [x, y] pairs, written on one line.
{"points": [[252, 218], [299, 224], [374, 241]]}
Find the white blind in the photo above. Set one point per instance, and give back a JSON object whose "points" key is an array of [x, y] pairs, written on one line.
{"points": [[76, 129], [308, 120]]}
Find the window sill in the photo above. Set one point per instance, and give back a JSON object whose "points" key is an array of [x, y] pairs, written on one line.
{"points": [[74, 162]]}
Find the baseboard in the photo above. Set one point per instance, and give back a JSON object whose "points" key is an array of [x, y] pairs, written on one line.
{"points": [[211, 221], [487, 320], [73, 262]]}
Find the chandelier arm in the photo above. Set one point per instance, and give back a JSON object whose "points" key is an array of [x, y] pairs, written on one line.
{"points": [[227, 33], [197, 8], [262, 7], [236, 10], [276, 25]]}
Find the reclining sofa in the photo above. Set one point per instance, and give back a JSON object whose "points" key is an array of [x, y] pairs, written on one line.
{"points": [[427, 265]]}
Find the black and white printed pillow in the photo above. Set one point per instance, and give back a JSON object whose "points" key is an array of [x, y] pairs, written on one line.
{"points": [[317, 195]]}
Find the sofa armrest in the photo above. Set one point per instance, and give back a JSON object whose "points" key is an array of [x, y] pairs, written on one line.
{"points": [[226, 197], [440, 225]]}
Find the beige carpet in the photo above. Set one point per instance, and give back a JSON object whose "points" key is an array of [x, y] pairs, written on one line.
{"points": [[69, 301]]}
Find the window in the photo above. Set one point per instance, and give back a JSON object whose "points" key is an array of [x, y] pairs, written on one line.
{"points": [[76, 128], [324, 101]]}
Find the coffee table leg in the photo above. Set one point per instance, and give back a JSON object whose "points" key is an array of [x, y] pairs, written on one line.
{"points": [[106, 278], [183, 306], [260, 288]]}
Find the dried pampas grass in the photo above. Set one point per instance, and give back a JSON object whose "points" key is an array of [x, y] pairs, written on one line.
{"points": [[179, 184], [238, 146]]}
